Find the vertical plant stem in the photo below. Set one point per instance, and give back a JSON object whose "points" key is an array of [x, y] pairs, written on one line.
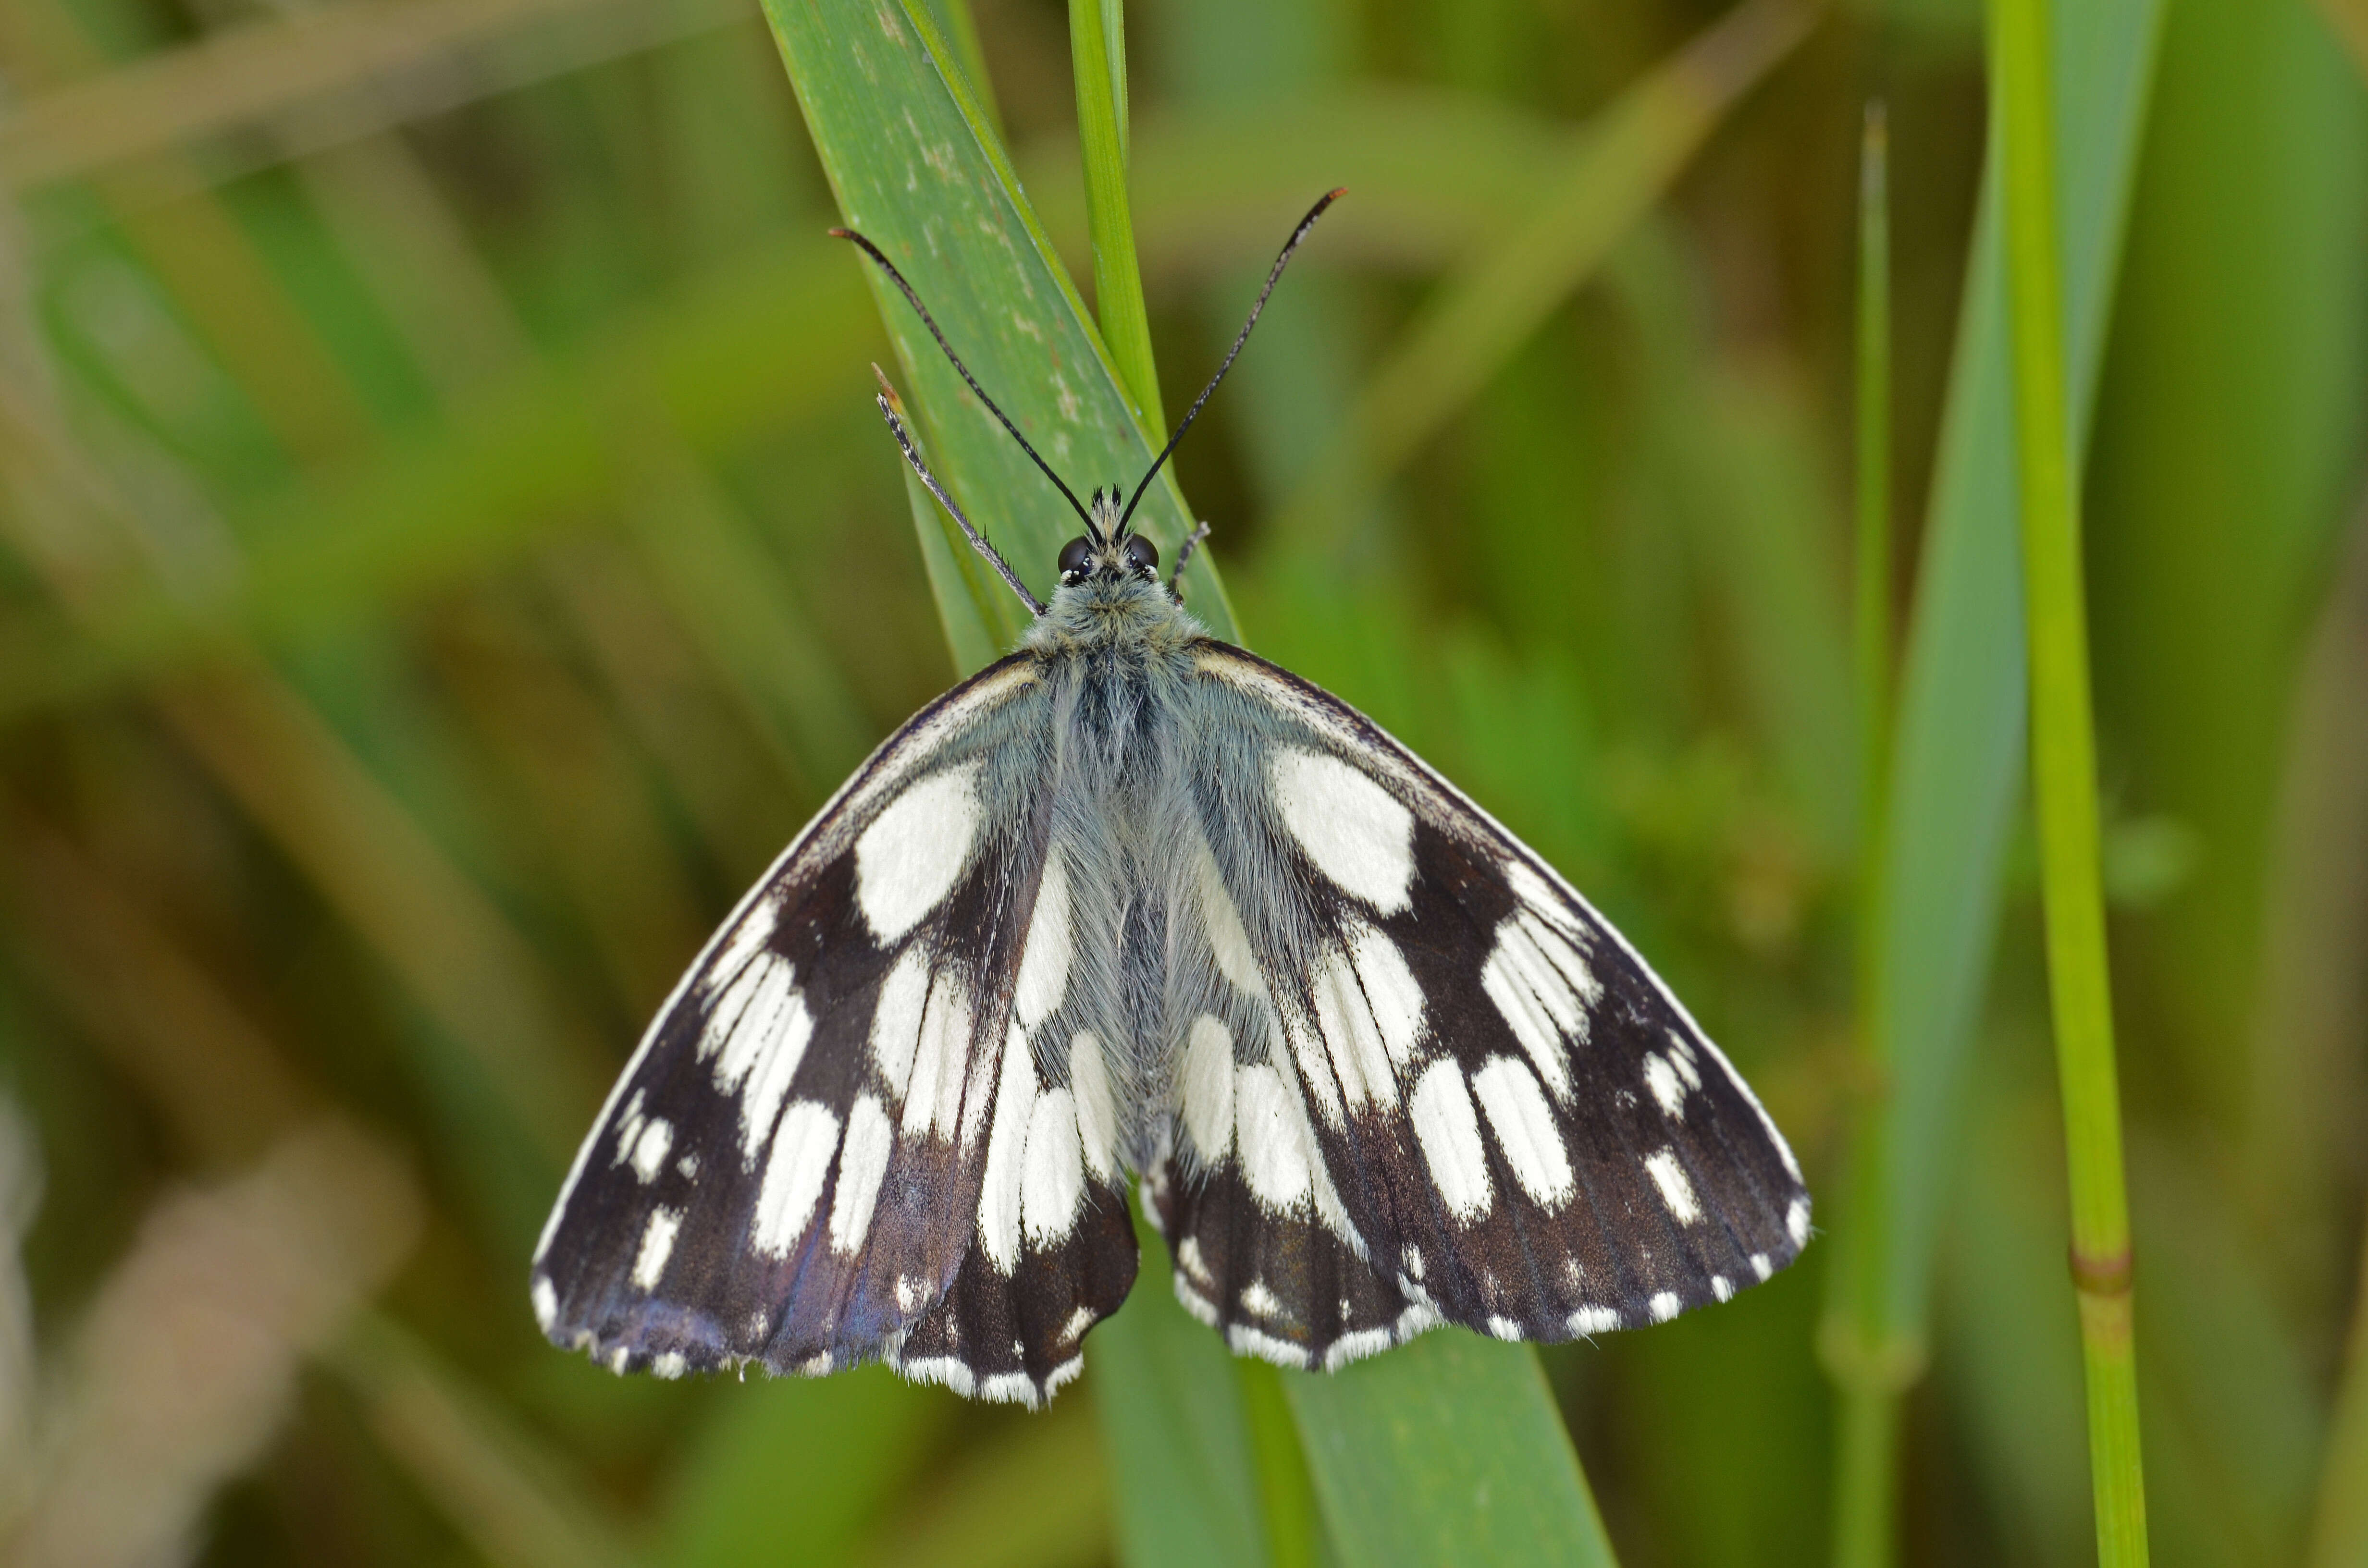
{"points": [[2064, 776], [1869, 1356], [1874, 607], [1097, 56]]}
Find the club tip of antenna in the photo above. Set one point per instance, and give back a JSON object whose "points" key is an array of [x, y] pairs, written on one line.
{"points": [[837, 234], [1336, 193]]}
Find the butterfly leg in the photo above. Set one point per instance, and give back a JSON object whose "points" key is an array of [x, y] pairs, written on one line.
{"points": [[1184, 554]]}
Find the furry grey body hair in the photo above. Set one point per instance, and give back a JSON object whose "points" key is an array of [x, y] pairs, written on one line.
{"points": [[1135, 740]]}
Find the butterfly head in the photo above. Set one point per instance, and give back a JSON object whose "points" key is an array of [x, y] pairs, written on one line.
{"points": [[1105, 551]]}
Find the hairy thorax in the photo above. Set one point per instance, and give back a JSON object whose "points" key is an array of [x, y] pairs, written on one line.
{"points": [[1130, 617]]}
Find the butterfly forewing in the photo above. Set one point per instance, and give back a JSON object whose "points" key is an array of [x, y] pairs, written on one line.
{"points": [[820, 1152], [1422, 1078]]}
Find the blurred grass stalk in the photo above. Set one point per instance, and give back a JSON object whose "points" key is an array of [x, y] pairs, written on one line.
{"points": [[1617, 166], [2064, 775], [1098, 53], [1871, 1360]]}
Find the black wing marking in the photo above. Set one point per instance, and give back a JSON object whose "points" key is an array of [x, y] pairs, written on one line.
{"points": [[1506, 1118], [802, 1165]]}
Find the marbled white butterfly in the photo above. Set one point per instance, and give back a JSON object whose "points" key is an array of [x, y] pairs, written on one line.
{"points": [[1136, 901]]}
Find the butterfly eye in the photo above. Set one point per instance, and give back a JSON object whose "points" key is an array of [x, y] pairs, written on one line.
{"points": [[1142, 554], [1076, 556]]}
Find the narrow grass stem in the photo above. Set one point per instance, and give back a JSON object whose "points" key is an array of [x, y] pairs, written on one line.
{"points": [[1864, 1352], [1097, 57], [2064, 775]]}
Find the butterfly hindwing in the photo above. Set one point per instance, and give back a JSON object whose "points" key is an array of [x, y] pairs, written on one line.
{"points": [[802, 1164], [1418, 1054]]}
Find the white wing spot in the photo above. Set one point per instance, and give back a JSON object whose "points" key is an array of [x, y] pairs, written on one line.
{"points": [[1304, 1037], [793, 1176], [1354, 830], [941, 1059], [1664, 1306], [687, 1167], [657, 1246], [897, 1021], [1524, 1126], [1676, 1192], [1222, 923], [768, 1084], [1207, 1081], [670, 1364], [1054, 1179], [1449, 1131], [1722, 1287], [1796, 1221], [1662, 1079], [1259, 1301], [1413, 1259], [1539, 894], [1681, 1052], [908, 859], [650, 1148], [1274, 1150], [1761, 1265], [546, 1304], [1187, 1255], [1044, 961], [1350, 1036], [1504, 1327], [1391, 989], [862, 1162], [1079, 1321], [755, 929], [1006, 1145], [1543, 988], [1096, 1112], [1594, 1319]]}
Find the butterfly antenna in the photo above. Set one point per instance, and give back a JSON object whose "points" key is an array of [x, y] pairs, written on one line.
{"points": [[931, 323], [1193, 412], [890, 404]]}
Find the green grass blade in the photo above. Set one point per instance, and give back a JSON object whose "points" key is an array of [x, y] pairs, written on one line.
{"points": [[2063, 774], [1184, 1462], [917, 167], [1869, 1384], [1097, 55], [1954, 770], [1446, 1450], [1957, 757]]}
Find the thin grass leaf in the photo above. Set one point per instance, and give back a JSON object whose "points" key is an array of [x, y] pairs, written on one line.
{"points": [[1184, 1457], [1867, 1428], [1098, 59], [1449, 1449], [2063, 771], [1956, 762]]}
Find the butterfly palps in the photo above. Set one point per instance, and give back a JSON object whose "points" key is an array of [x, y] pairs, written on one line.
{"points": [[1134, 902]]}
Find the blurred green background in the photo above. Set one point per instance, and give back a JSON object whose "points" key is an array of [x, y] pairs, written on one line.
{"points": [[447, 547]]}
